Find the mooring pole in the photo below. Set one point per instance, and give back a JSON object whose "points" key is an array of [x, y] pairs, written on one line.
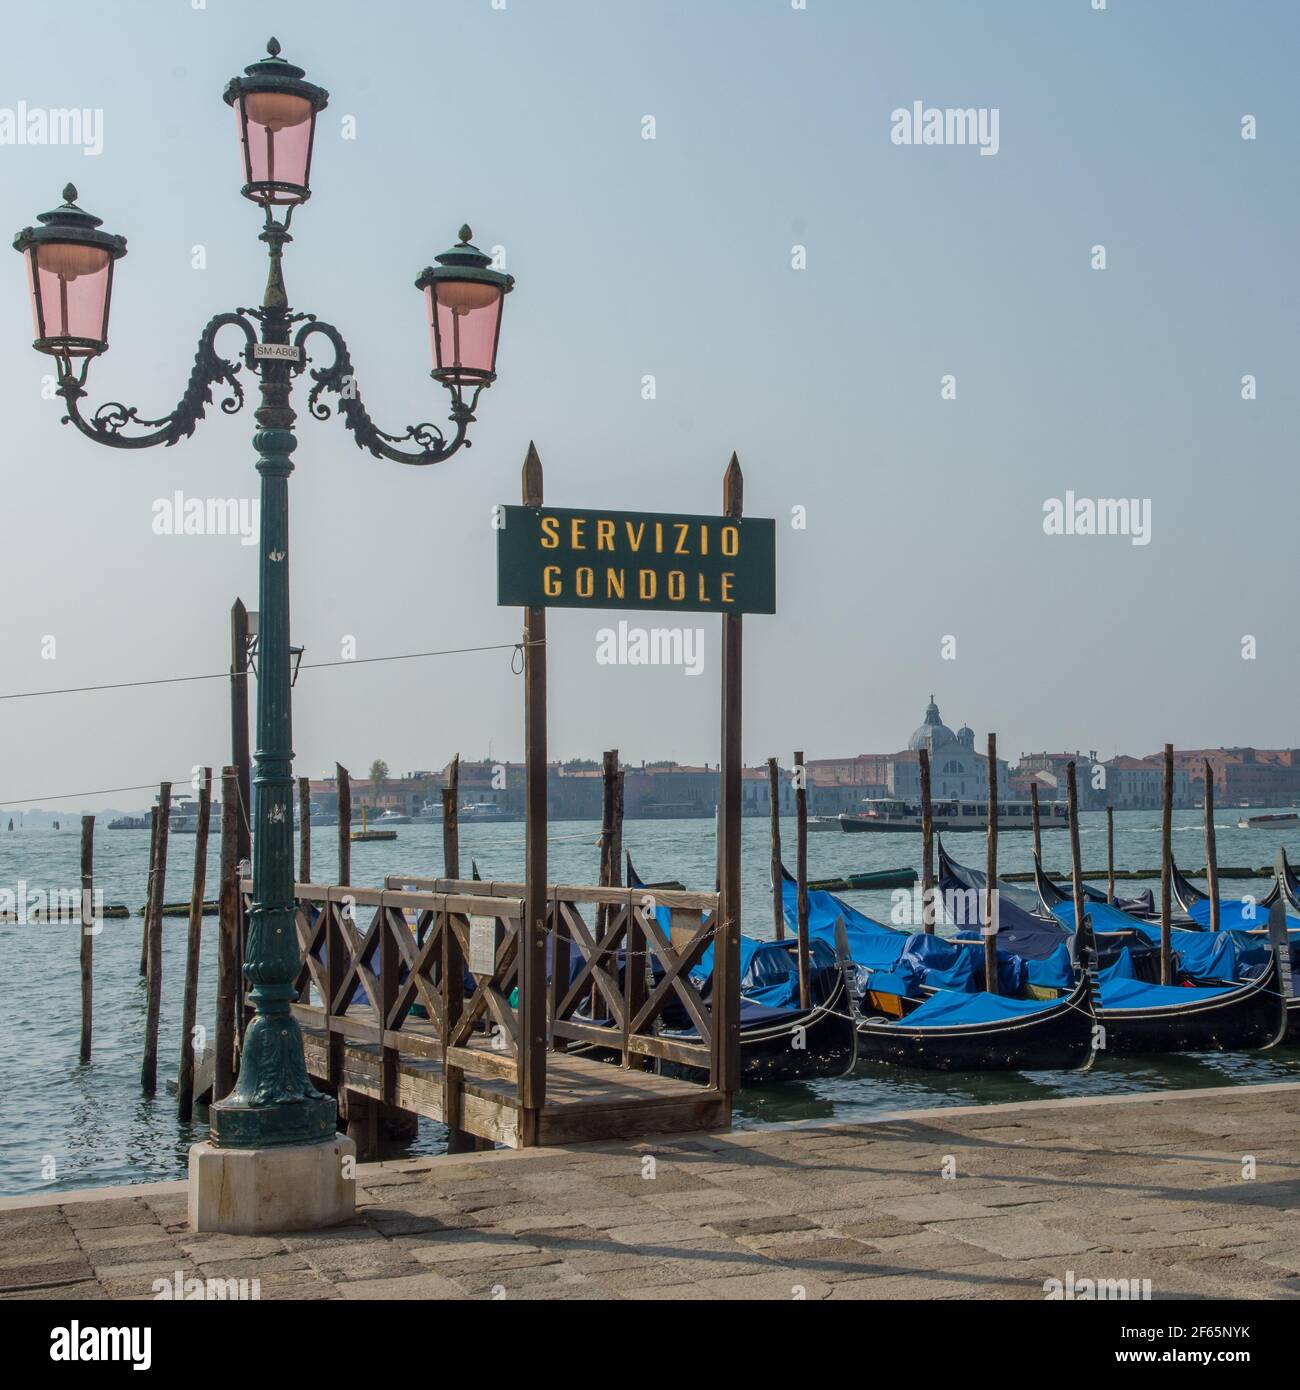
{"points": [[148, 892], [451, 821], [453, 974], [193, 948], [228, 960], [726, 942], [304, 829], [1211, 853], [1166, 872], [532, 962], [1110, 855], [1076, 871], [774, 834], [1038, 829], [801, 875], [153, 1009], [88, 929], [927, 845], [343, 782], [990, 889]]}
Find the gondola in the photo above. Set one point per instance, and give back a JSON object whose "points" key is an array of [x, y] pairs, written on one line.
{"points": [[779, 1041], [1247, 913], [1138, 1016]]}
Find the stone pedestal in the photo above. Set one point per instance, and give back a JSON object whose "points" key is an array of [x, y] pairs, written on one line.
{"points": [[293, 1187]]}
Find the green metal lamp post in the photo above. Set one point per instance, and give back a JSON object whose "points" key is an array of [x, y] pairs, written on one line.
{"points": [[70, 263]]}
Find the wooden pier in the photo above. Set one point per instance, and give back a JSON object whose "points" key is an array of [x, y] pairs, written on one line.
{"points": [[389, 1020]]}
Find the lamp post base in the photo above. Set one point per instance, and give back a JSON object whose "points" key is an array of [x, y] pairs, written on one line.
{"points": [[292, 1187]]}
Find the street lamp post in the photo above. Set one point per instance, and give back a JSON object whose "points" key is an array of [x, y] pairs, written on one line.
{"points": [[71, 264]]}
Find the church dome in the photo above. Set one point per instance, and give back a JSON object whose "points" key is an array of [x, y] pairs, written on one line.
{"points": [[966, 736], [934, 733]]}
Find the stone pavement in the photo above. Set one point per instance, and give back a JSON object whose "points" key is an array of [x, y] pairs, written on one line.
{"points": [[1196, 1191]]}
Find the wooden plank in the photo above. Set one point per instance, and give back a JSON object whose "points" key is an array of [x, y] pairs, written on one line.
{"points": [[193, 947], [228, 962], [88, 929], [1037, 825], [153, 1007], [1110, 855]]}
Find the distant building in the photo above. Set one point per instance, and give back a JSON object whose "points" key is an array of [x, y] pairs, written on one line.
{"points": [[1048, 772], [1244, 776], [1138, 784], [956, 769]]}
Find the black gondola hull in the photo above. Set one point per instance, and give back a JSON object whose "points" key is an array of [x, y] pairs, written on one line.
{"points": [[1248, 1016], [1057, 1038]]}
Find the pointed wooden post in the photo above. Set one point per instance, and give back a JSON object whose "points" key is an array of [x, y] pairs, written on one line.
{"points": [[774, 831], [1076, 872], [304, 830], [229, 964], [343, 781], [1166, 872], [153, 1009], [532, 959], [726, 943], [608, 781], [990, 889], [928, 913], [1211, 853], [1110, 855], [451, 821], [193, 949], [1038, 829], [239, 748], [88, 930]]}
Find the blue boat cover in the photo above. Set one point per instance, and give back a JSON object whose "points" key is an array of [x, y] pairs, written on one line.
{"points": [[870, 942], [943, 965], [1238, 913], [945, 1009], [1224, 955], [1121, 968], [1137, 994]]}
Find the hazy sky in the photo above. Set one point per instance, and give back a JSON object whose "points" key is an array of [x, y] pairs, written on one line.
{"points": [[672, 258]]}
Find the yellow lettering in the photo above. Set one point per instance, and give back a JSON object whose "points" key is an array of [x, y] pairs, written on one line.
{"points": [[586, 581], [676, 585], [550, 532], [575, 533], [649, 584], [682, 529], [704, 592], [615, 582], [704, 539], [730, 540], [551, 581], [635, 536], [659, 538], [727, 595], [604, 535]]}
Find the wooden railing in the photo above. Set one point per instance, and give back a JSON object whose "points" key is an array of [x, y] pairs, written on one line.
{"points": [[369, 955], [610, 992]]}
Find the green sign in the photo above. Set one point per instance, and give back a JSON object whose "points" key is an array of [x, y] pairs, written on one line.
{"points": [[554, 557]]}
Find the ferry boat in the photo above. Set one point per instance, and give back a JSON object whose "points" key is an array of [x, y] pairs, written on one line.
{"points": [[392, 817], [481, 812], [1255, 822], [121, 823], [888, 814]]}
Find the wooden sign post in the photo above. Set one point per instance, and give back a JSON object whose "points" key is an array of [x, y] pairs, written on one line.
{"points": [[564, 558]]}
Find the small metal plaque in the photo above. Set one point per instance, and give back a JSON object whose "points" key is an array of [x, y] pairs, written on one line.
{"points": [[284, 352], [482, 945]]}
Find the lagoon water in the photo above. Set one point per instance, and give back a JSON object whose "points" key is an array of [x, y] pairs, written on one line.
{"points": [[64, 1125]]}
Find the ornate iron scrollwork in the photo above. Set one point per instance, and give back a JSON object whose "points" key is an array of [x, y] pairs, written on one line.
{"points": [[340, 378], [105, 426]]}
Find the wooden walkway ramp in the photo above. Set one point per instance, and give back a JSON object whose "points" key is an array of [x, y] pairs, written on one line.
{"points": [[389, 1015]]}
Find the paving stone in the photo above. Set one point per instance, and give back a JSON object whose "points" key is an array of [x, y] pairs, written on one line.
{"points": [[416, 1286], [1019, 1237]]}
